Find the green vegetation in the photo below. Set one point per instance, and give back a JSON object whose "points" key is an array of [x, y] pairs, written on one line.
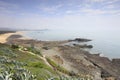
{"points": [[57, 67], [5, 51], [15, 73], [23, 61], [73, 75], [14, 46], [16, 63], [33, 50], [30, 49], [14, 70]]}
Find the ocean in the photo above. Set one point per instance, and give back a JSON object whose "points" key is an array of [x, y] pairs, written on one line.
{"points": [[106, 42]]}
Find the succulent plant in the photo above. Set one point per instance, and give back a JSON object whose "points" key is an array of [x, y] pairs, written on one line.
{"points": [[8, 52], [13, 70], [16, 73]]}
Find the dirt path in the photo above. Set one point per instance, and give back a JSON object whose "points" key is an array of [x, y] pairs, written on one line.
{"points": [[43, 58]]}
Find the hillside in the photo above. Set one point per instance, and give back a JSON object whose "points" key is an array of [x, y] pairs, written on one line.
{"points": [[26, 63], [53, 60]]}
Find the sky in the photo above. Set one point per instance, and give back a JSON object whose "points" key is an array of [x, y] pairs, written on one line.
{"points": [[60, 14]]}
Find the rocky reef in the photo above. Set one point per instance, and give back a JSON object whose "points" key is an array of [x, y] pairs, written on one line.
{"points": [[80, 40]]}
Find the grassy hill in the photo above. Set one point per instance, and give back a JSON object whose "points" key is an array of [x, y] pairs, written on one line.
{"points": [[13, 58], [20, 63]]}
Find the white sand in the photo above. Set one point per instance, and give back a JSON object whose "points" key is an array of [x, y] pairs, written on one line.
{"points": [[3, 37]]}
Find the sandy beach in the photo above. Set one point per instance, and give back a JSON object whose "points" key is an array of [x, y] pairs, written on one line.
{"points": [[4, 37]]}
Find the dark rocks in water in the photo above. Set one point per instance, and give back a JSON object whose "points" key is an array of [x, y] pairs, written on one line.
{"points": [[80, 40], [83, 46], [89, 46]]}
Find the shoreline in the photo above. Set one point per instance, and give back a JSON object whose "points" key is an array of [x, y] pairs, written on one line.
{"points": [[5, 36], [15, 36], [70, 57]]}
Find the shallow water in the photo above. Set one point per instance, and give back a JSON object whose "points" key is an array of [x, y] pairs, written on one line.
{"points": [[106, 42]]}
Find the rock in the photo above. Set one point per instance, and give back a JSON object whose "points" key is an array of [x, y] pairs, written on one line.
{"points": [[105, 74], [58, 59], [83, 46], [89, 46], [80, 40], [46, 48], [116, 62], [25, 49], [110, 78]]}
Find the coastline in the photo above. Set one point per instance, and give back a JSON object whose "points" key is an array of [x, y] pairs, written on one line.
{"points": [[70, 57], [4, 37]]}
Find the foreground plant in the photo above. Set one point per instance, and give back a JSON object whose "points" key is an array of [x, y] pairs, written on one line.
{"points": [[16, 73]]}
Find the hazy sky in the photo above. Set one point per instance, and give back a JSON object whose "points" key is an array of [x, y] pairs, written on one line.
{"points": [[60, 14]]}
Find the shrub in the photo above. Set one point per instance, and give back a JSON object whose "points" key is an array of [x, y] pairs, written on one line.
{"points": [[14, 46]]}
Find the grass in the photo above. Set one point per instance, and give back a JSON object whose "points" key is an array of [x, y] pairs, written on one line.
{"points": [[73, 75], [57, 67], [33, 50], [33, 63]]}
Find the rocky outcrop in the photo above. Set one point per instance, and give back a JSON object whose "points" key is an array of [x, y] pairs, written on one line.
{"points": [[116, 62], [83, 46], [99, 67], [58, 59], [80, 40], [81, 61]]}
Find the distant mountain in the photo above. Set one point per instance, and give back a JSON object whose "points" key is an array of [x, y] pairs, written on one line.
{"points": [[21, 29], [35, 29], [6, 29]]}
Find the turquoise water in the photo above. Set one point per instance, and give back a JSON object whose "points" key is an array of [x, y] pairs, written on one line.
{"points": [[106, 42]]}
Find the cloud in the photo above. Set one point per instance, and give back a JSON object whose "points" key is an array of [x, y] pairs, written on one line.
{"points": [[69, 12], [96, 0], [7, 7], [111, 6], [65, 14], [112, 1], [50, 9], [100, 7], [94, 7], [64, 22], [93, 11], [89, 11]]}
